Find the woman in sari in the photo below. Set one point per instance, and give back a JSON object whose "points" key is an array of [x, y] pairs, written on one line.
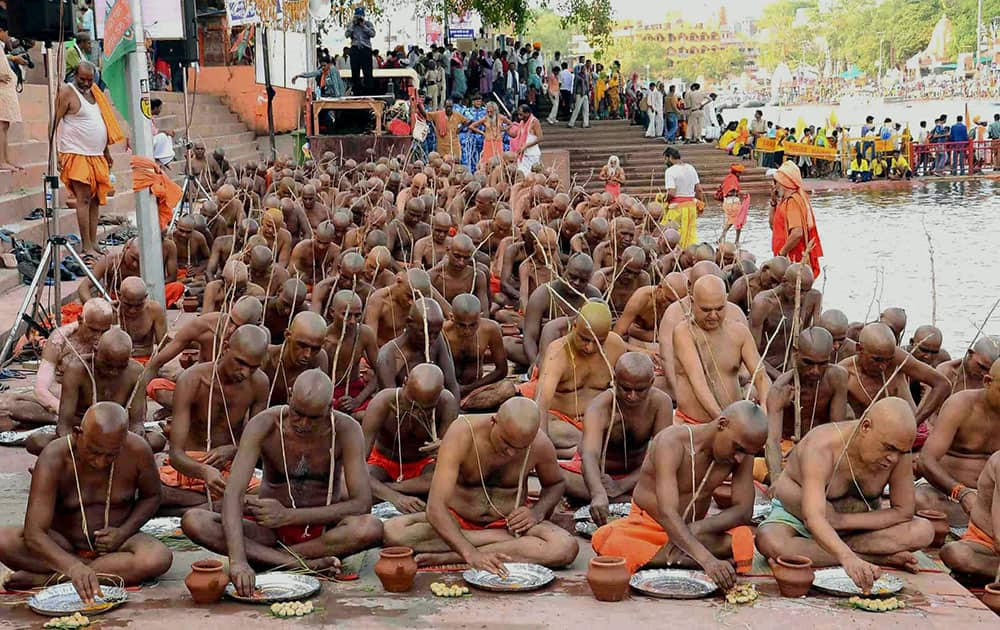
{"points": [[600, 89], [458, 82], [615, 91], [728, 138], [485, 73], [491, 127], [740, 148]]}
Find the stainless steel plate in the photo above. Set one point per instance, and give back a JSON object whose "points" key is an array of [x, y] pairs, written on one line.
{"points": [[278, 587], [385, 510], [61, 600], [163, 526], [521, 576], [614, 509], [673, 583], [835, 581]]}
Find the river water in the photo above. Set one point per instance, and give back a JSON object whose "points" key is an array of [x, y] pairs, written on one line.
{"points": [[875, 245]]}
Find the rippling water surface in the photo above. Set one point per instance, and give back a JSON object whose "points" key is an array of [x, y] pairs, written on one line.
{"points": [[880, 234]]}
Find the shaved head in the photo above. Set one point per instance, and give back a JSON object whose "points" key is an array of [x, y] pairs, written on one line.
{"points": [[676, 284], [634, 258], [705, 268], [877, 338], [308, 324], [596, 317], [635, 366], [928, 337], [251, 339], [890, 420], [466, 304], [113, 348], [518, 421], [293, 292], [894, 318], [709, 298], [246, 310], [351, 264], [419, 281], [261, 258], [816, 342], [834, 321], [424, 385], [426, 310], [133, 289], [98, 314], [748, 424], [311, 396], [102, 434]]}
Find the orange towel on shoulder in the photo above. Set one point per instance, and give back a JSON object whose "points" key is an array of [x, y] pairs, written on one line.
{"points": [[638, 538], [115, 133]]}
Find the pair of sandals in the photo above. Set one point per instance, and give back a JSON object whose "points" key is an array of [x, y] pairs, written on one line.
{"points": [[38, 214]]}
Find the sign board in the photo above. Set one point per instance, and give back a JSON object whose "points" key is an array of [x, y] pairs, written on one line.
{"points": [[240, 13], [464, 26], [161, 19], [462, 33], [289, 56], [766, 145], [433, 33], [810, 150]]}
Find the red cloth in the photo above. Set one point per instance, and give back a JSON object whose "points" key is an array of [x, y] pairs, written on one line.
{"points": [[172, 292], [500, 523], [291, 535], [159, 384], [686, 419], [352, 389], [71, 312], [409, 470], [923, 432], [730, 183], [790, 178]]}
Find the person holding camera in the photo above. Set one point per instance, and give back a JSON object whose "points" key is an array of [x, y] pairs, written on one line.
{"points": [[360, 32]]}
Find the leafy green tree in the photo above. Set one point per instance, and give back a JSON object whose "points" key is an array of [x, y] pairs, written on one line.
{"points": [[547, 27]]}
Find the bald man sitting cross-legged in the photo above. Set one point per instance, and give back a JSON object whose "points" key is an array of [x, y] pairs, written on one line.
{"points": [[826, 503], [476, 511], [91, 492]]}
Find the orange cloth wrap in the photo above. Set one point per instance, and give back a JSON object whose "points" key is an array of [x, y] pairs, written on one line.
{"points": [[529, 389], [91, 170], [146, 173], [409, 470], [978, 536], [575, 465], [172, 292], [638, 538], [173, 478], [686, 419], [159, 384]]}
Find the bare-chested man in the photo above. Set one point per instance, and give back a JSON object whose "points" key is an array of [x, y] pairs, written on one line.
{"points": [[403, 427], [976, 552], [431, 249], [710, 349], [969, 370], [234, 284], [279, 310], [107, 375], [314, 499], [404, 232], [74, 340], [207, 332], [349, 342], [419, 342], [476, 510], [669, 525], [826, 503], [316, 211], [773, 312], [595, 233], [143, 319], [606, 467], [540, 266], [620, 237], [835, 322], [641, 318], [746, 287], [276, 237], [474, 342], [224, 247], [563, 297], [204, 433], [680, 311], [301, 350], [626, 276], [388, 308], [193, 252], [316, 257], [458, 274], [573, 371], [881, 369], [966, 433], [90, 494], [350, 277], [895, 318], [264, 273], [823, 399]]}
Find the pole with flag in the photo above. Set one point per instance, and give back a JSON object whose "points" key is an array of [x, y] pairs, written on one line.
{"points": [[127, 76]]}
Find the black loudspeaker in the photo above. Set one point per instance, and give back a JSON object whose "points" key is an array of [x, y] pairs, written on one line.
{"points": [[190, 43], [40, 19]]}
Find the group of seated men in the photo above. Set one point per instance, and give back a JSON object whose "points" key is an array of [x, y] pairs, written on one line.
{"points": [[355, 316]]}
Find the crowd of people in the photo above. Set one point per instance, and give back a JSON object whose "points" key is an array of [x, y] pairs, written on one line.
{"points": [[417, 333]]}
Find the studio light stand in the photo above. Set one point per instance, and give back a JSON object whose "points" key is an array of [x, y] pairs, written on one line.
{"points": [[190, 181], [51, 256]]}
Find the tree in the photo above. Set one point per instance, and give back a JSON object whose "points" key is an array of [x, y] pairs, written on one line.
{"points": [[784, 41], [713, 65], [547, 28]]}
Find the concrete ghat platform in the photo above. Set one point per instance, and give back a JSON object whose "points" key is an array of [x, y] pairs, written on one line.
{"points": [[935, 600]]}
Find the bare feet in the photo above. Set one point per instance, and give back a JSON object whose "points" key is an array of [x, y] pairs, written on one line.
{"points": [[435, 559], [902, 559], [24, 581], [328, 565]]}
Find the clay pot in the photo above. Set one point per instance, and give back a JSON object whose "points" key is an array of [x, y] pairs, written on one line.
{"points": [[190, 303], [723, 495], [189, 357], [940, 522], [207, 581], [793, 573], [396, 569], [991, 597], [608, 578]]}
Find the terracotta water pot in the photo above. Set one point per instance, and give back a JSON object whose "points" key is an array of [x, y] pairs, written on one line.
{"points": [[940, 522], [189, 357], [396, 569], [190, 303], [207, 581], [608, 578], [991, 597], [793, 573]]}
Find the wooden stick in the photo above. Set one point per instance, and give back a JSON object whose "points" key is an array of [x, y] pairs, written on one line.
{"points": [[930, 252]]}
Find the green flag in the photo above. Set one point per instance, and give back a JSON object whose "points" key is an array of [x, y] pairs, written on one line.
{"points": [[119, 41]]}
